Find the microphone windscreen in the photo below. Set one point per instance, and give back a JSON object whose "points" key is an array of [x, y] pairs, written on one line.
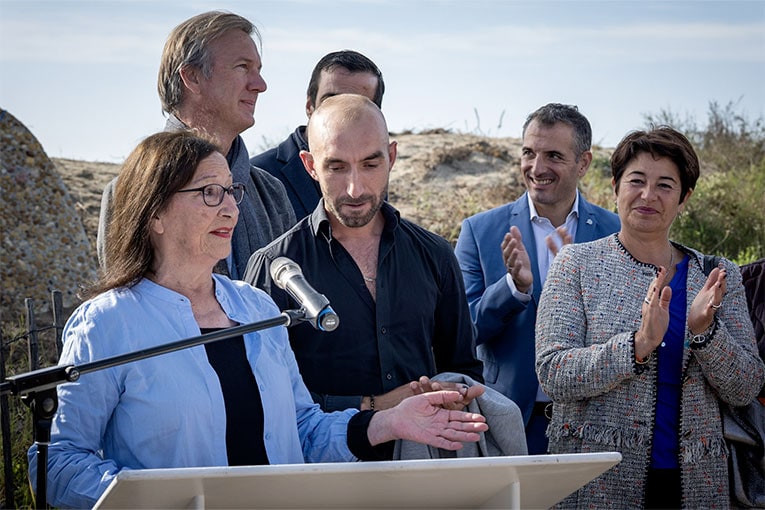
{"points": [[282, 269]]}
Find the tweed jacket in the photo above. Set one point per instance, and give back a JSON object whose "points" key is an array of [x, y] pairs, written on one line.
{"points": [[603, 401], [505, 326]]}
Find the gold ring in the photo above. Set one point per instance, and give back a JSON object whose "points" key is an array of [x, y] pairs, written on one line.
{"points": [[646, 301]]}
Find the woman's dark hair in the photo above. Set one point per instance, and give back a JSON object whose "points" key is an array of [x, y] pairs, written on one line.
{"points": [[158, 167], [659, 142]]}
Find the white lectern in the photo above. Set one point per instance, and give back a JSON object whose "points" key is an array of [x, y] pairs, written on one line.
{"points": [[526, 481]]}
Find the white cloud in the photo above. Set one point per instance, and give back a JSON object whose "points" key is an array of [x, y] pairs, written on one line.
{"points": [[67, 37]]}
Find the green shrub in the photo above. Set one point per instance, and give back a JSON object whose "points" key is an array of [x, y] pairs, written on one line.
{"points": [[726, 214]]}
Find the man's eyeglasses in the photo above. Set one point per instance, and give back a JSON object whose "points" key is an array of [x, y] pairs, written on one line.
{"points": [[213, 194]]}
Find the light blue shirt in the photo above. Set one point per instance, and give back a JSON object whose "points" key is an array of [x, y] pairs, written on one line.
{"points": [[168, 411], [543, 227]]}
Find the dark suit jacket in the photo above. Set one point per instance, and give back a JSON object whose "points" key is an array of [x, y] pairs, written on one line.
{"points": [[284, 163], [753, 276], [505, 325]]}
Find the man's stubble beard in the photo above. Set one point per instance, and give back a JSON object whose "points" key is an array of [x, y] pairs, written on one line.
{"points": [[359, 221]]}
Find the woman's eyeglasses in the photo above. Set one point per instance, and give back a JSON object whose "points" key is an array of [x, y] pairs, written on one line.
{"points": [[213, 194]]}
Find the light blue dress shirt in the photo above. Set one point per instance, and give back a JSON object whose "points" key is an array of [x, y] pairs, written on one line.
{"points": [[168, 411]]}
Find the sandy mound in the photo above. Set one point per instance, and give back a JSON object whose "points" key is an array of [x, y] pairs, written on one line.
{"points": [[439, 179]]}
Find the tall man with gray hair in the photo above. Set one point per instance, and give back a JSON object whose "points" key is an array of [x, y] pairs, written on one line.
{"points": [[209, 80]]}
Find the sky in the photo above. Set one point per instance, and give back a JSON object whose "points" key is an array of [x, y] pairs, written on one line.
{"points": [[81, 75]]}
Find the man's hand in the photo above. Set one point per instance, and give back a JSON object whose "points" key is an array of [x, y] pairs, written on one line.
{"points": [[469, 393], [390, 399], [516, 260], [560, 233]]}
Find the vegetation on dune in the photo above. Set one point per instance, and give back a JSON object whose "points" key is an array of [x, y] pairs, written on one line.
{"points": [[726, 214]]}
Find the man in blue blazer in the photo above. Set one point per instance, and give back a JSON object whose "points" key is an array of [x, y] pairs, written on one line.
{"points": [[504, 254], [339, 72]]}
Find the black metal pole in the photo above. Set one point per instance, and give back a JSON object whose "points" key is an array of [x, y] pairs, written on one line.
{"points": [[43, 405], [5, 431], [51, 377]]}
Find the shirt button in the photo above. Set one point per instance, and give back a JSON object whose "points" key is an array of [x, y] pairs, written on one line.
{"points": [[268, 436], [383, 330], [388, 376]]}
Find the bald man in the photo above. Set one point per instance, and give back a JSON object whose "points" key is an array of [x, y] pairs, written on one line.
{"points": [[396, 287]]}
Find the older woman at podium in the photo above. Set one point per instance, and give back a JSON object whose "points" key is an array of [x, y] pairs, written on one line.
{"points": [[237, 401]]}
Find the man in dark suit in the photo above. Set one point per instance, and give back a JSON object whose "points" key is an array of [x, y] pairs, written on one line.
{"points": [[339, 72], [504, 254]]}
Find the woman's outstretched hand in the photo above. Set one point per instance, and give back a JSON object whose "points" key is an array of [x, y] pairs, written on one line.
{"points": [[425, 419]]}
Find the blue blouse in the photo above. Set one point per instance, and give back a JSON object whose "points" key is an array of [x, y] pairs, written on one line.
{"points": [[666, 443], [168, 411]]}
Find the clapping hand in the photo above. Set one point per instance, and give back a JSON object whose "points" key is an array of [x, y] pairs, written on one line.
{"points": [[562, 234], [655, 320], [707, 301], [516, 260]]}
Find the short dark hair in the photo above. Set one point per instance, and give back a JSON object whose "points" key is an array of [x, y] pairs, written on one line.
{"points": [[552, 113], [661, 141], [352, 61]]}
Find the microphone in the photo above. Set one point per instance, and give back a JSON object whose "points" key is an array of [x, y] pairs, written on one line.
{"points": [[287, 275]]}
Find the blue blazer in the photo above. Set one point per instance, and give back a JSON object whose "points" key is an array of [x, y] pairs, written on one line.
{"points": [[506, 325], [284, 163]]}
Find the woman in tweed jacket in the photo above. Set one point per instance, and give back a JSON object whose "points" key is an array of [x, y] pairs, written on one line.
{"points": [[637, 347]]}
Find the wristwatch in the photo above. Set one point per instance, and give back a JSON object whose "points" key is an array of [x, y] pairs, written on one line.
{"points": [[705, 336]]}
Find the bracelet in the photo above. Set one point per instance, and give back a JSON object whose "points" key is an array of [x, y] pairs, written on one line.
{"points": [[639, 361], [703, 338], [644, 360], [371, 402]]}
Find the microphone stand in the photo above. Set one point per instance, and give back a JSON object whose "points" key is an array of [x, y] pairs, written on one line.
{"points": [[38, 387]]}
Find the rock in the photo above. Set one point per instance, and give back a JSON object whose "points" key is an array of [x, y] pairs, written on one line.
{"points": [[44, 246]]}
